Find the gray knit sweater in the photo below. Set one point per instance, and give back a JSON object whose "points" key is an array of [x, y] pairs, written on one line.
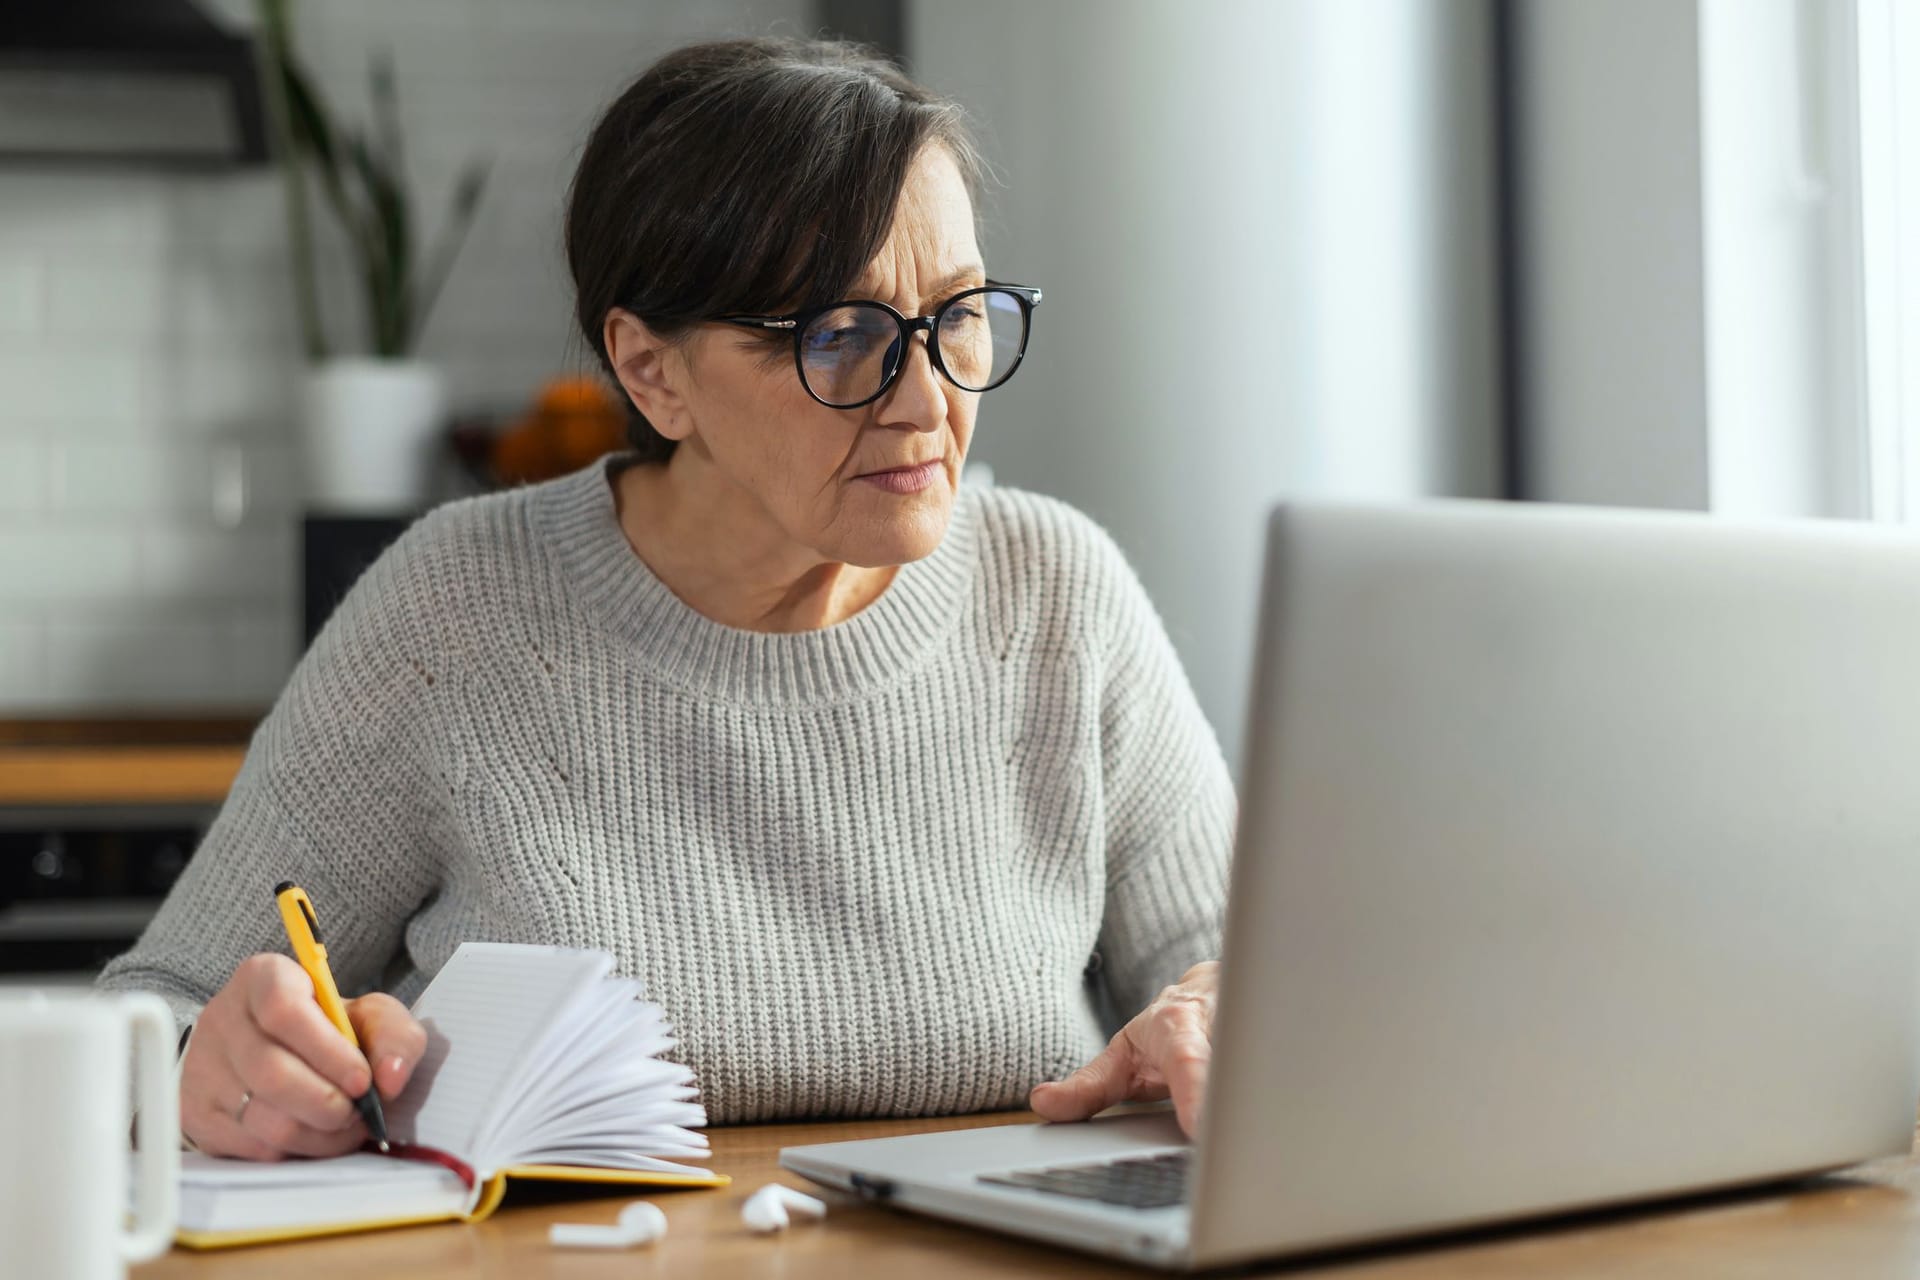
{"points": [[889, 867]]}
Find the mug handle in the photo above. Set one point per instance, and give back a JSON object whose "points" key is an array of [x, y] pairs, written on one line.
{"points": [[157, 1126]]}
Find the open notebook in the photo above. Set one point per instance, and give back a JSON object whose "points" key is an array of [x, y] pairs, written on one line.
{"points": [[538, 1065]]}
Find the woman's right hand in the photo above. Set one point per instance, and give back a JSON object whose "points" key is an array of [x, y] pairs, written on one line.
{"points": [[267, 1076]]}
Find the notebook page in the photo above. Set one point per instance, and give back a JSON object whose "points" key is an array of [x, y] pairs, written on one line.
{"points": [[355, 1168], [487, 1011], [605, 1098], [239, 1195], [568, 1056]]}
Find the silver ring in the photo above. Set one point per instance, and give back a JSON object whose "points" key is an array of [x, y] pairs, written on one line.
{"points": [[240, 1112]]}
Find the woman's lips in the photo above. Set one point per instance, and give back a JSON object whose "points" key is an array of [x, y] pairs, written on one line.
{"points": [[904, 479]]}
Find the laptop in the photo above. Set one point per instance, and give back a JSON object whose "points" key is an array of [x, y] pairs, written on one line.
{"points": [[1576, 866]]}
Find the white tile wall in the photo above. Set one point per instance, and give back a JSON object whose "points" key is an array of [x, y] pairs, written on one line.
{"points": [[146, 323]]}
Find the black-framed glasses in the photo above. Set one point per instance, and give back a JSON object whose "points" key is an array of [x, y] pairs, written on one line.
{"points": [[849, 353]]}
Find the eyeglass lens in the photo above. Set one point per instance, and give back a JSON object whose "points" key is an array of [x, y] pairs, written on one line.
{"points": [[847, 353]]}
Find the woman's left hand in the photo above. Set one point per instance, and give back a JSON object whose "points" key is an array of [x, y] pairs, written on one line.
{"points": [[1163, 1052]]}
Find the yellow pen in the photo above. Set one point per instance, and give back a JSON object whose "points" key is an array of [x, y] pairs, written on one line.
{"points": [[303, 931]]}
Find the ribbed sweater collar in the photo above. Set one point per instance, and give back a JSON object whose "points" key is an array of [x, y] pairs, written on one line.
{"points": [[892, 635]]}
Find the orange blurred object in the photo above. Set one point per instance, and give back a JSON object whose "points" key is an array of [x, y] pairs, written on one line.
{"points": [[574, 421]]}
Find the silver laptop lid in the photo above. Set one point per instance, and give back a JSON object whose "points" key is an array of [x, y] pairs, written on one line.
{"points": [[1578, 862]]}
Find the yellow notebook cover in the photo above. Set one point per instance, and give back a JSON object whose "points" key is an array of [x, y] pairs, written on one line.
{"points": [[492, 1192]]}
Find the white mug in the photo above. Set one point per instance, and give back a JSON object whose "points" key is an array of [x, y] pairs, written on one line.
{"points": [[64, 1101]]}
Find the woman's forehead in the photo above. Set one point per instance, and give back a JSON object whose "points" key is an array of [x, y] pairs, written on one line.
{"points": [[944, 282], [931, 248]]}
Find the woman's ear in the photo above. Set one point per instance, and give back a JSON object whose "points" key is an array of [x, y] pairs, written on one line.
{"points": [[648, 367]]}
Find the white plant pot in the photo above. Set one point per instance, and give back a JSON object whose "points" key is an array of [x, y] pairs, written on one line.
{"points": [[371, 432]]}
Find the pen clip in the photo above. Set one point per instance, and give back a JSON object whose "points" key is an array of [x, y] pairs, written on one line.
{"points": [[313, 922], [287, 891]]}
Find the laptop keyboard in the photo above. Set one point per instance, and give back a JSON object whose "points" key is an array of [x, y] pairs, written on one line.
{"points": [[1141, 1182]]}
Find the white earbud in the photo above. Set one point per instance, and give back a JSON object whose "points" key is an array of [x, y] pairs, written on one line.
{"points": [[766, 1209], [640, 1223]]}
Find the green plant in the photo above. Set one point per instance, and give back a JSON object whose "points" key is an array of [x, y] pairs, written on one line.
{"points": [[361, 179]]}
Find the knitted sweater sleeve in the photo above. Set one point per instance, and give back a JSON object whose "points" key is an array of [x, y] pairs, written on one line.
{"points": [[1169, 803], [345, 790]]}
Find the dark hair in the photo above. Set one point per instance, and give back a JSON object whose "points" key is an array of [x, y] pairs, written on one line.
{"points": [[744, 176]]}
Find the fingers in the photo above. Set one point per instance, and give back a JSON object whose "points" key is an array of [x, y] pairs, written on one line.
{"points": [[209, 1093], [393, 1039], [1175, 1038], [263, 1040], [212, 1114], [218, 1135], [1166, 1051], [281, 1003], [1108, 1079], [274, 1076], [282, 1133], [1183, 1056]]}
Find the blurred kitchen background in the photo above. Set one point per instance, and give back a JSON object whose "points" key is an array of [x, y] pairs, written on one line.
{"points": [[1636, 252]]}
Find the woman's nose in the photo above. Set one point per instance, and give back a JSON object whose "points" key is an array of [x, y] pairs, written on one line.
{"points": [[916, 399]]}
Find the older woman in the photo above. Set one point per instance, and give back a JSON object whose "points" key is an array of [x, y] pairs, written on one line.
{"points": [[883, 786]]}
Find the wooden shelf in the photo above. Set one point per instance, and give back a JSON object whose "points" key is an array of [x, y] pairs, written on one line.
{"points": [[115, 775], [224, 729], [166, 761]]}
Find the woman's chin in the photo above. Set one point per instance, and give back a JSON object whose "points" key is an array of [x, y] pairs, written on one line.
{"points": [[901, 537]]}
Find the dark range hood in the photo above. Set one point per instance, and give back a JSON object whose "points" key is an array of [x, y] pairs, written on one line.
{"points": [[150, 82]]}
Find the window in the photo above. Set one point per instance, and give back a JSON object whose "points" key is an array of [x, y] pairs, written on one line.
{"points": [[1886, 95]]}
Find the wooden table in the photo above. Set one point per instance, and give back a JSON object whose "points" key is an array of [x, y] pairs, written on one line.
{"points": [[1860, 1224]]}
